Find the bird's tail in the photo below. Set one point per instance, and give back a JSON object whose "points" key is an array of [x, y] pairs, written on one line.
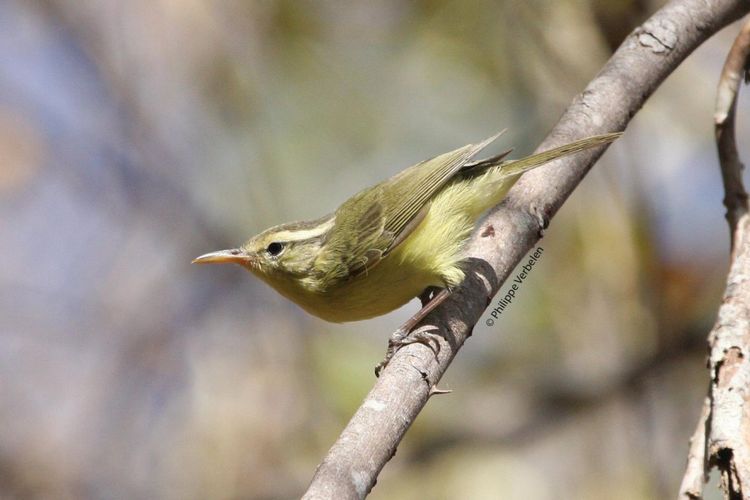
{"points": [[497, 175], [513, 167]]}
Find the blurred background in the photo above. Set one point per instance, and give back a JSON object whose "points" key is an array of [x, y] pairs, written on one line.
{"points": [[137, 135]]}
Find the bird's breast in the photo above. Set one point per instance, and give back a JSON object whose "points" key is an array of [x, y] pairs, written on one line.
{"points": [[382, 289]]}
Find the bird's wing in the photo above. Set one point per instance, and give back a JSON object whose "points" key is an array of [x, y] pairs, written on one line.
{"points": [[375, 221]]}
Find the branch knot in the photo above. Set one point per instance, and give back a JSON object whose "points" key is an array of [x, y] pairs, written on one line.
{"points": [[660, 36]]}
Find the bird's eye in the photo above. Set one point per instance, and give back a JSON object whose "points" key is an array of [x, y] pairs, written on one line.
{"points": [[275, 248]]}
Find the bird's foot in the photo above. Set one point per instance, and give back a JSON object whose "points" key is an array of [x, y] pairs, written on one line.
{"points": [[423, 335]]}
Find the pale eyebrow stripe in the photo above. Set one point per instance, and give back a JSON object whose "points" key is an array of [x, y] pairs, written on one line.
{"points": [[306, 234]]}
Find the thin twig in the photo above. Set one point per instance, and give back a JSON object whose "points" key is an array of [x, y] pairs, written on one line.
{"points": [[735, 68], [644, 60]]}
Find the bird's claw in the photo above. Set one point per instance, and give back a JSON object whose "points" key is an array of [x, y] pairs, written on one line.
{"points": [[423, 335]]}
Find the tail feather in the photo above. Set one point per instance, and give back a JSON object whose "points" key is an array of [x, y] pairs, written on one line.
{"points": [[513, 167], [489, 188]]}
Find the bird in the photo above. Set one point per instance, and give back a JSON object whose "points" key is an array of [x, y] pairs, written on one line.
{"points": [[399, 239]]}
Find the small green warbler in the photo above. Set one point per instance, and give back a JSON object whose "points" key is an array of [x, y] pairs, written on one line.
{"points": [[390, 242]]}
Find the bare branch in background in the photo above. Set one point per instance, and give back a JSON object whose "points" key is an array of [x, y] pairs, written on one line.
{"points": [[641, 63], [736, 68], [722, 438]]}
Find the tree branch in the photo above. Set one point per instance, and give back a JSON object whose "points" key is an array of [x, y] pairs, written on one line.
{"points": [[695, 473], [736, 67], [722, 438], [641, 63]]}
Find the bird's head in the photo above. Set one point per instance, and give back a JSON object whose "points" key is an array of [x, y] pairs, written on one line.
{"points": [[280, 254]]}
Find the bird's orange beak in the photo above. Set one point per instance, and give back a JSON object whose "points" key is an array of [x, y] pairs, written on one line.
{"points": [[233, 256]]}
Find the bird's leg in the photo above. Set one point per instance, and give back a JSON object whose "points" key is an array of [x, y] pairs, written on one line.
{"points": [[404, 335], [428, 294]]}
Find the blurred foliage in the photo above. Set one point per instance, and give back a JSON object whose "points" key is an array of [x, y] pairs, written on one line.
{"points": [[137, 135]]}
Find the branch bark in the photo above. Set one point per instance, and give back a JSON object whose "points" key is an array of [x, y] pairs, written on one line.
{"points": [[722, 438], [642, 62], [695, 473]]}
